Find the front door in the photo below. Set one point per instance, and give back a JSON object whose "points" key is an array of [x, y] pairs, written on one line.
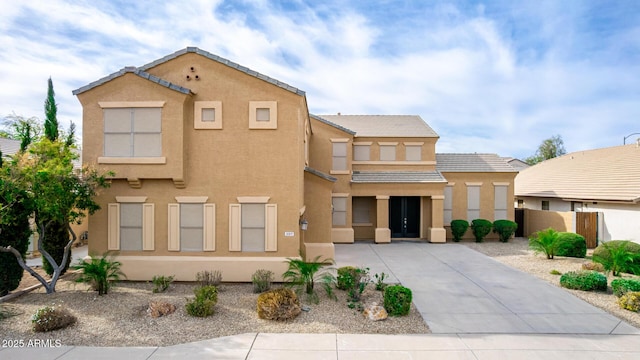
{"points": [[404, 216]]}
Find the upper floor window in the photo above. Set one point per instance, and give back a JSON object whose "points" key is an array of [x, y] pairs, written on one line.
{"points": [[362, 151], [413, 151], [388, 151], [133, 132], [207, 115], [339, 155], [263, 115]]}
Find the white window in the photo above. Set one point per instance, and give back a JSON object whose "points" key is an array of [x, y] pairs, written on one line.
{"points": [[253, 225], [339, 211], [473, 202], [413, 152], [500, 200], [448, 204], [132, 132], [361, 152], [207, 115], [192, 224], [130, 224], [362, 209], [263, 115], [339, 156], [387, 152]]}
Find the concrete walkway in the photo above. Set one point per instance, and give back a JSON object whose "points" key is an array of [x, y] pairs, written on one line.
{"points": [[459, 291], [476, 307]]}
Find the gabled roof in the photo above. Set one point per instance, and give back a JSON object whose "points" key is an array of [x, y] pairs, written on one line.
{"points": [[607, 174], [136, 71], [383, 125], [397, 177], [325, 121], [517, 163], [141, 71], [472, 163], [9, 146], [223, 61]]}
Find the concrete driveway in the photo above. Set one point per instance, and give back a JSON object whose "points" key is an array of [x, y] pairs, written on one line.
{"points": [[459, 290]]}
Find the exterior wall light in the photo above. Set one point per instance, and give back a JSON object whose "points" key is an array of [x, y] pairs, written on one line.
{"points": [[304, 224]]}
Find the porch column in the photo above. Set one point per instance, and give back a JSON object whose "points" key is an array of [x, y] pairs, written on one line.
{"points": [[437, 233], [383, 233]]}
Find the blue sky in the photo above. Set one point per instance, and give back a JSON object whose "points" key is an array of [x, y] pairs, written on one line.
{"points": [[488, 76]]}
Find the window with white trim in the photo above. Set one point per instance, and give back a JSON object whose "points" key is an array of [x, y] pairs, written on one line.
{"points": [[263, 115], [253, 225], [132, 132], [413, 152], [207, 115], [473, 202], [387, 152], [361, 152], [339, 156], [448, 204], [192, 224], [500, 202], [339, 217], [130, 224], [191, 227]]}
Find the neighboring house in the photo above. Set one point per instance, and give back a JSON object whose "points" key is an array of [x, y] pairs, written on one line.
{"points": [[606, 181], [220, 167], [9, 146], [517, 164]]}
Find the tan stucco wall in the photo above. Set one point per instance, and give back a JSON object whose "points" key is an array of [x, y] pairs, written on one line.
{"points": [[536, 220], [222, 165], [317, 239]]}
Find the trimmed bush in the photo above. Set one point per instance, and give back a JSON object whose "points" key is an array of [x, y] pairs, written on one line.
{"points": [[619, 256], [51, 318], [584, 280], [278, 304], [505, 229], [346, 276], [202, 305], [262, 280], [397, 300], [623, 286], [458, 229], [571, 245], [630, 301], [481, 228]]}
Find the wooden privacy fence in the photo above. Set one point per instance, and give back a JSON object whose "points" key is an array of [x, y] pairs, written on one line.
{"points": [[583, 223], [587, 226]]}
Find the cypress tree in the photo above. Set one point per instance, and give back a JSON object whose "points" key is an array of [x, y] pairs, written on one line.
{"points": [[51, 113]]}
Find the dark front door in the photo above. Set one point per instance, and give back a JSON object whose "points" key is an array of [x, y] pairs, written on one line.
{"points": [[404, 216]]}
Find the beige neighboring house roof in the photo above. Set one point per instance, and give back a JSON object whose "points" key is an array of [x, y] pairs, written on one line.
{"points": [[608, 174], [472, 163], [383, 125], [9, 146]]}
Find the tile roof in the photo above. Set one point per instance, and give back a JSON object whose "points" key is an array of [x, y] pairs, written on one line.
{"points": [[136, 71], [226, 62], [611, 174], [9, 146], [322, 120], [472, 163], [397, 177], [383, 125], [320, 174]]}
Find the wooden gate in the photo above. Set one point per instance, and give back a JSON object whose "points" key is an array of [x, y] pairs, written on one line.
{"points": [[587, 226]]}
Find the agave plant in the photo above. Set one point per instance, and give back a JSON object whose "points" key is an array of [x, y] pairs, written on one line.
{"points": [[99, 272], [302, 276]]}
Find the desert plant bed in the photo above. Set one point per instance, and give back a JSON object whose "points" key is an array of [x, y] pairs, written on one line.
{"points": [[121, 317]]}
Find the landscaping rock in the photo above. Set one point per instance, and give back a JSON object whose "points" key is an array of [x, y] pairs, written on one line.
{"points": [[374, 312]]}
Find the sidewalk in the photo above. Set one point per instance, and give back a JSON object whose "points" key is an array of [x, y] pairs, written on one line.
{"points": [[370, 347]]}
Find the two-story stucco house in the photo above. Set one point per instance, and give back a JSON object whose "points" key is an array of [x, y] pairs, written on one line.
{"points": [[220, 167]]}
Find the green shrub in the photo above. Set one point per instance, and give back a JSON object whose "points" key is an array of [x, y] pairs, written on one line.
{"points": [[202, 305], [481, 228], [618, 257], [346, 275], [302, 275], [584, 280], [397, 300], [99, 272], [630, 301], [209, 278], [623, 286], [161, 283], [555, 272], [545, 241], [571, 245], [380, 284], [262, 280], [278, 304], [458, 228], [14, 232], [56, 237], [51, 318], [505, 229]]}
